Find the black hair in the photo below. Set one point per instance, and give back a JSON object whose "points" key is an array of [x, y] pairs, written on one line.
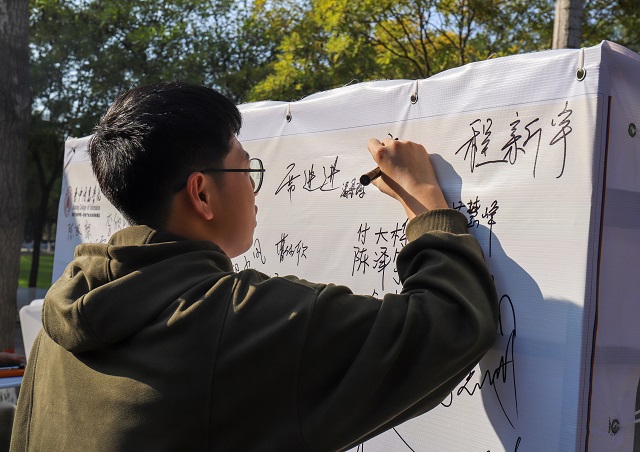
{"points": [[152, 138]]}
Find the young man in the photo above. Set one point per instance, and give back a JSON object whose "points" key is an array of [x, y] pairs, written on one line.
{"points": [[152, 342]]}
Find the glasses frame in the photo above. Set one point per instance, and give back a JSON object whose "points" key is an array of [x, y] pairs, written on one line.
{"points": [[260, 170]]}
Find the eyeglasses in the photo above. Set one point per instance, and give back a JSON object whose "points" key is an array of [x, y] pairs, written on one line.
{"points": [[255, 170]]}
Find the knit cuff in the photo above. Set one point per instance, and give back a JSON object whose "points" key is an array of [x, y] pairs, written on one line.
{"points": [[447, 220]]}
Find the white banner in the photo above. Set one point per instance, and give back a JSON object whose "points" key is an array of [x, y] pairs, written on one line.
{"points": [[529, 153]]}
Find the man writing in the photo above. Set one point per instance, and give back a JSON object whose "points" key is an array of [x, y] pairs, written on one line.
{"points": [[153, 342]]}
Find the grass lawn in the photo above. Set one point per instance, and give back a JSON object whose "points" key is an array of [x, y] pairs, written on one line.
{"points": [[44, 271]]}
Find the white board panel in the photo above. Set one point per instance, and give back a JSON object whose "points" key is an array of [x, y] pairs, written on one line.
{"points": [[522, 148]]}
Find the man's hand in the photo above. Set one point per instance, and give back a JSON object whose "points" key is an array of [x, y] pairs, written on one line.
{"points": [[408, 175]]}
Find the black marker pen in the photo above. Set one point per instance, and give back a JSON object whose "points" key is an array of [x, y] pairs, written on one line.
{"points": [[366, 178]]}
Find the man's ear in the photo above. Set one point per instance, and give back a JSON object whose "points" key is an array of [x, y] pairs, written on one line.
{"points": [[199, 194]]}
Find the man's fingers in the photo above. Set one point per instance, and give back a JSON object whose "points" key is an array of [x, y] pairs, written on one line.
{"points": [[379, 148], [374, 144], [376, 147], [388, 141]]}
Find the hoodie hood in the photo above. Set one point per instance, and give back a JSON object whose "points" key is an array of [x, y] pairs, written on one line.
{"points": [[111, 291]]}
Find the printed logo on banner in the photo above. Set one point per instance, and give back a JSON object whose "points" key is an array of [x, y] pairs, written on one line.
{"points": [[67, 201]]}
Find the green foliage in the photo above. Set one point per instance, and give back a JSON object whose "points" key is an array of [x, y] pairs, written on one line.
{"points": [[85, 52], [329, 43], [617, 21]]}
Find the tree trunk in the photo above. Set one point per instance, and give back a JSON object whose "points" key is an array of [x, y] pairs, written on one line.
{"points": [[567, 26], [38, 228], [35, 255], [15, 103], [48, 175]]}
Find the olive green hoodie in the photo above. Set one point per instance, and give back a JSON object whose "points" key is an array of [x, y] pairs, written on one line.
{"points": [[152, 342]]}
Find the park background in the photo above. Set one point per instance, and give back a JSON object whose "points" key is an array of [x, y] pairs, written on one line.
{"points": [[63, 62]]}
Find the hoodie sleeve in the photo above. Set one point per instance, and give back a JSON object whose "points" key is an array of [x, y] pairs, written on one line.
{"points": [[370, 364]]}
